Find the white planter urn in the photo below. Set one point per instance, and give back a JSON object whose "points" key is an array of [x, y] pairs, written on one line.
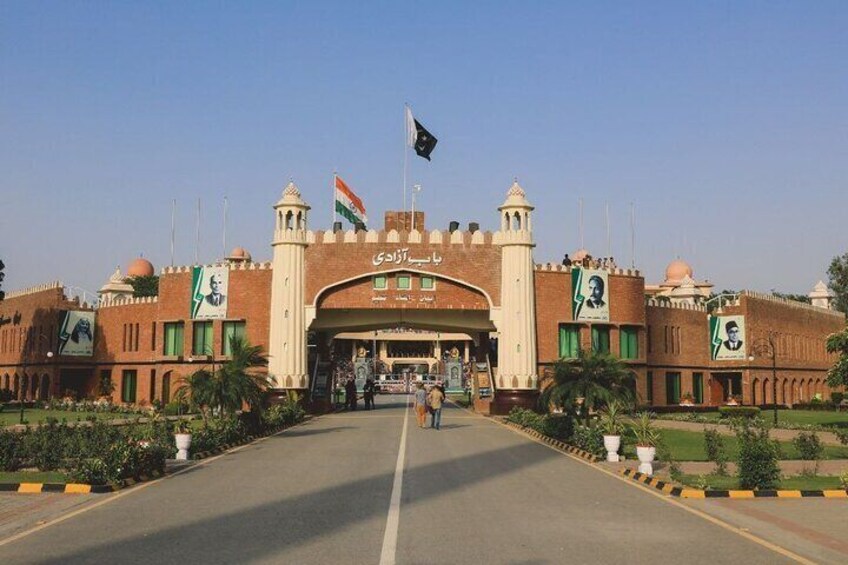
{"points": [[183, 443], [646, 456], [611, 444]]}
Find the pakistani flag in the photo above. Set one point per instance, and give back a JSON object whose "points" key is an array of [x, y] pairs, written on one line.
{"points": [[348, 204], [418, 137]]}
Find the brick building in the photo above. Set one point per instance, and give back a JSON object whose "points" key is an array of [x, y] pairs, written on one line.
{"points": [[416, 302]]}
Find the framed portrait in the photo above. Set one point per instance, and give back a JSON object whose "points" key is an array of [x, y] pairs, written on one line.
{"points": [[76, 334], [590, 295], [209, 295], [727, 338]]}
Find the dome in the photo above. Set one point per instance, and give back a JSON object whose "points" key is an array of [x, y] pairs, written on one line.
{"points": [[579, 255], [140, 267], [239, 254], [677, 270]]}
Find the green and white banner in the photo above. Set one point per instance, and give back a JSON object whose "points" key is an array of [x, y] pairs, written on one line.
{"points": [[589, 296], [727, 338], [76, 334], [209, 287]]}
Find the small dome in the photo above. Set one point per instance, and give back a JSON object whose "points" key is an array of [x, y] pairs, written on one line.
{"points": [[579, 255], [677, 270], [239, 254], [140, 267]]}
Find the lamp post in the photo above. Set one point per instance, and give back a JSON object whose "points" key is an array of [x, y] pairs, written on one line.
{"points": [[772, 354], [24, 376]]}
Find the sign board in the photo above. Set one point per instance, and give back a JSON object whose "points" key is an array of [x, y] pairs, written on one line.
{"points": [[727, 338], [590, 295]]}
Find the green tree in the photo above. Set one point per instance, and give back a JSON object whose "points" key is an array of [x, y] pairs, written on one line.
{"points": [[838, 274], [144, 286], [231, 385], [838, 374], [596, 378]]}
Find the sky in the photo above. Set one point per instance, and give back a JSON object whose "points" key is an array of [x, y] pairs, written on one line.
{"points": [[725, 124]]}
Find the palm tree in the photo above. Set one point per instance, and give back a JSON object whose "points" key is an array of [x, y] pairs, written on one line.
{"points": [[232, 385], [596, 378]]}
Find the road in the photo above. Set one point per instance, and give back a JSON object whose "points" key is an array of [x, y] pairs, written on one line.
{"points": [[472, 492]]}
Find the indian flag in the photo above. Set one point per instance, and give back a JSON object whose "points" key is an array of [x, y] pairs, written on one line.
{"points": [[348, 204]]}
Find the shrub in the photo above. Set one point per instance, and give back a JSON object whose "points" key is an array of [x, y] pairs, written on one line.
{"points": [[664, 454], [842, 435], [589, 439], [730, 412], [758, 455], [560, 427], [715, 450], [810, 448], [44, 446], [837, 397], [5, 396], [643, 431], [10, 450], [176, 408]]}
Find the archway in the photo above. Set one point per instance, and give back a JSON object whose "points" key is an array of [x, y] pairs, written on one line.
{"points": [[166, 388], [17, 389], [44, 389], [756, 394], [793, 391], [783, 395], [767, 396]]}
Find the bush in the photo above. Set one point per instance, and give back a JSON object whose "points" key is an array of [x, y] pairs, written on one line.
{"points": [[758, 455], [589, 439], [715, 450], [809, 446], [842, 435], [730, 412], [837, 397], [560, 427], [5, 396], [44, 446], [10, 451]]}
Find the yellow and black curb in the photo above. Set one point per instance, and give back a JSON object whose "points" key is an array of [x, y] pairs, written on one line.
{"points": [[561, 445], [74, 488], [685, 492]]}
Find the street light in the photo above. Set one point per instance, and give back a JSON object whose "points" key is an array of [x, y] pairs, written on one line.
{"points": [[772, 354], [24, 376]]}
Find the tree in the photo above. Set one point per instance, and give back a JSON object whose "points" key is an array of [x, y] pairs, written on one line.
{"points": [[838, 374], [233, 384], [791, 296], [144, 285], [597, 378], [838, 274]]}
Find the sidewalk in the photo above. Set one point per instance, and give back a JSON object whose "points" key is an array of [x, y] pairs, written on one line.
{"points": [[827, 438]]}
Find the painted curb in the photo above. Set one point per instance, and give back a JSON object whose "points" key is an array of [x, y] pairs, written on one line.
{"points": [[561, 445], [687, 492]]}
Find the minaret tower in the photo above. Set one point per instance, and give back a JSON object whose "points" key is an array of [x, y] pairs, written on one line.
{"points": [[517, 339], [287, 342]]}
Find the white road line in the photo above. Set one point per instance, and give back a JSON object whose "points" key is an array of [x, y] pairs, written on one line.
{"points": [[387, 555]]}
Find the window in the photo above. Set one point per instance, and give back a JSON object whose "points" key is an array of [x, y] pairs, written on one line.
{"points": [[202, 339], [569, 341], [166, 388], [380, 282], [428, 283], [650, 387], [231, 330], [404, 282], [174, 338], [105, 383], [629, 338], [153, 336], [600, 339], [672, 388], [128, 382], [698, 387], [152, 390]]}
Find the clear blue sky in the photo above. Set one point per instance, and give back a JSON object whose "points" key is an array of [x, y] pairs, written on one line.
{"points": [[725, 123]]}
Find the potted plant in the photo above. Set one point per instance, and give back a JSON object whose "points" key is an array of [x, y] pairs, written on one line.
{"points": [[611, 425], [646, 442], [687, 400], [182, 436]]}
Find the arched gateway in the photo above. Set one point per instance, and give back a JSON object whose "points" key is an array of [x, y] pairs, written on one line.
{"points": [[350, 285]]}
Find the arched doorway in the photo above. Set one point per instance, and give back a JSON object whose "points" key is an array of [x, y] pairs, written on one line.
{"points": [[793, 392], [44, 388], [783, 395], [33, 387], [166, 388], [756, 395], [17, 388], [6, 381], [767, 399]]}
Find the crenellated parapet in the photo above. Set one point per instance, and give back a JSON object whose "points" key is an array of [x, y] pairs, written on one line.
{"points": [[666, 303], [792, 303], [243, 266], [557, 268], [130, 301], [34, 289], [413, 237]]}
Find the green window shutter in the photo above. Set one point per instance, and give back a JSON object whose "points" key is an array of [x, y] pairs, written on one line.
{"points": [[128, 386], [202, 339], [403, 282], [380, 282], [698, 387], [672, 388], [629, 343], [650, 387], [427, 283], [600, 339], [231, 330], [569, 341]]}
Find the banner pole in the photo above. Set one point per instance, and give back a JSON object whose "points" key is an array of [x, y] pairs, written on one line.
{"points": [[173, 227], [333, 207], [405, 156]]}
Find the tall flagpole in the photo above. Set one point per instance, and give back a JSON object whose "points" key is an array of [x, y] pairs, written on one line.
{"points": [[406, 134], [197, 236], [609, 244], [632, 238], [173, 227], [226, 205], [580, 224], [333, 207]]}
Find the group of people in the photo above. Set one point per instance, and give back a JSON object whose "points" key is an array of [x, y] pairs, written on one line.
{"points": [[429, 401], [368, 391], [590, 262]]}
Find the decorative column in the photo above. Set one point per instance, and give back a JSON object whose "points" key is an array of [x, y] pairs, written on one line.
{"points": [[287, 342], [517, 334]]}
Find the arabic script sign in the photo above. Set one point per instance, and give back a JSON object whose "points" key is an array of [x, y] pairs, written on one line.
{"points": [[401, 257]]}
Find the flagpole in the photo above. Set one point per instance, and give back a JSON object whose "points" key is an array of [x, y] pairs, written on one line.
{"points": [[405, 155], [609, 245], [333, 207], [197, 236], [226, 205], [173, 227], [632, 238]]}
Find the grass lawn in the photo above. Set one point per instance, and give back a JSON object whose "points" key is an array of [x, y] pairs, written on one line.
{"points": [[32, 477], [799, 482], [689, 446], [11, 416], [819, 417]]}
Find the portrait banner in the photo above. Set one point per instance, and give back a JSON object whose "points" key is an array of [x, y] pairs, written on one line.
{"points": [[76, 334], [209, 291], [727, 338], [589, 295]]}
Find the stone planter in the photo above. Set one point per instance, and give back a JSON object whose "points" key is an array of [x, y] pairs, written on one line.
{"points": [[183, 443], [611, 444], [646, 455]]}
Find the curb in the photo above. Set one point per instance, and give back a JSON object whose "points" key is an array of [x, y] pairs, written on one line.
{"points": [[561, 445], [698, 493]]}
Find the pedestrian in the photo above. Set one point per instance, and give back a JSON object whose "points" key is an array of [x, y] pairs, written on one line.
{"points": [[420, 404], [368, 393], [350, 393], [436, 397]]}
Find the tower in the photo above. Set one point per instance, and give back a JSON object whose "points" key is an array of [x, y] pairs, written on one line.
{"points": [[287, 340], [517, 338]]}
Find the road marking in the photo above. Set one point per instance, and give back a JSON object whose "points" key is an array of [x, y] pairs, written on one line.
{"points": [[387, 555]]}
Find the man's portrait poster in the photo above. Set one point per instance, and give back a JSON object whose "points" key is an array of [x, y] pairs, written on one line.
{"points": [[76, 334], [590, 295], [209, 294], [727, 338]]}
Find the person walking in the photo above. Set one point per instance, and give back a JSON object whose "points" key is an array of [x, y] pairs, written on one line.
{"points": [[368, 393], [421, 404], [436, 398], [350, 393]]}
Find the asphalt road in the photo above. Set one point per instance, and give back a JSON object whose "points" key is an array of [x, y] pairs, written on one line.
{"points": [[473, 492]]}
